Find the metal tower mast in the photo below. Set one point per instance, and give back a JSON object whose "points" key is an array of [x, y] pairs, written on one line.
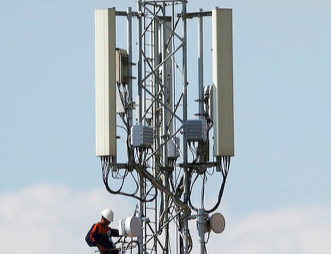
{"points": [[152, 108]]}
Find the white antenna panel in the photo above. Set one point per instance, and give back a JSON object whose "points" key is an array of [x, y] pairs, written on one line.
{"points": [[223, 82], [105, 82]]}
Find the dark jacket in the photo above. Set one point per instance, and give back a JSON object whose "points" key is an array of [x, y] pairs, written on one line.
{"points": [[103, 235]]}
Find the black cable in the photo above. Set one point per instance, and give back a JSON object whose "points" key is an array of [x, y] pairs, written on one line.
{"points": [[194, 153], [211, 172], [106, 170], [116, 174], [119, 240], [204, 180], [128, 195], [105, 180], [208, 237], [190, 242], [189, 200], [225, 171]]}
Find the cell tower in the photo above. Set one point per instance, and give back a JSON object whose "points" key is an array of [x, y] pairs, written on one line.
{"points": [[165, 152]]}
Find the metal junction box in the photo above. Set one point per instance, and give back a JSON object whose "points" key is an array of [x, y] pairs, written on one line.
{"points": [[141, 136], [122, 66], [196, 130], [173, 148]]}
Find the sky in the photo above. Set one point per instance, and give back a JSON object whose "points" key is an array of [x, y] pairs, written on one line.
{"points": [[278, 194]]}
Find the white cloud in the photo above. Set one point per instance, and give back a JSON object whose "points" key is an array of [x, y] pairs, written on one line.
{"points": [[288, 230], [54, 219]]}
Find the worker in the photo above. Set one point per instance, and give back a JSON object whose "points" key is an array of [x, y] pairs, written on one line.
{"points": [[101, 234]]}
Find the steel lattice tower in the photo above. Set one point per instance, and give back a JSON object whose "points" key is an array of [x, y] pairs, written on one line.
{"points": [[152, 108]]}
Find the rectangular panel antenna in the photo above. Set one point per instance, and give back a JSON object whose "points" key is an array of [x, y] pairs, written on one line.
{"points": [[105, 82], [223, 82]]}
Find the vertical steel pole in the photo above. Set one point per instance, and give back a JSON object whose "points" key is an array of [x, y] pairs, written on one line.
{"points": [[156, 75], [200, 64], [155, 52], [173, 78], [200, 76], [139, 39], [166, 90], [130, 99], [153, 82], [185, 158], [201, 211], [201, 230], [141, 186], [129, 49]]}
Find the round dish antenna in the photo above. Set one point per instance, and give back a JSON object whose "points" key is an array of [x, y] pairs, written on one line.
{"points": [[129, 227], [217, 223]]}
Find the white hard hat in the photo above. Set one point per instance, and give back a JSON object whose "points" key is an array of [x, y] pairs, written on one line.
{"points": [[108, 214]]}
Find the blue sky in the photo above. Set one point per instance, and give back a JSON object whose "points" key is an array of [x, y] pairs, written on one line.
{"points": [[282, 77]]}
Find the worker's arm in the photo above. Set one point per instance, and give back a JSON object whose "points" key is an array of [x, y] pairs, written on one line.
{"points": [[92, 234], [114, 232]]}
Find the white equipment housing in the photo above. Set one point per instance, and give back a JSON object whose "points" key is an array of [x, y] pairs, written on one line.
{"points": [[196, 130], [122, 66], [105, 82], [129, 227], [223, 82], [173, 148], [141, 136]]}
